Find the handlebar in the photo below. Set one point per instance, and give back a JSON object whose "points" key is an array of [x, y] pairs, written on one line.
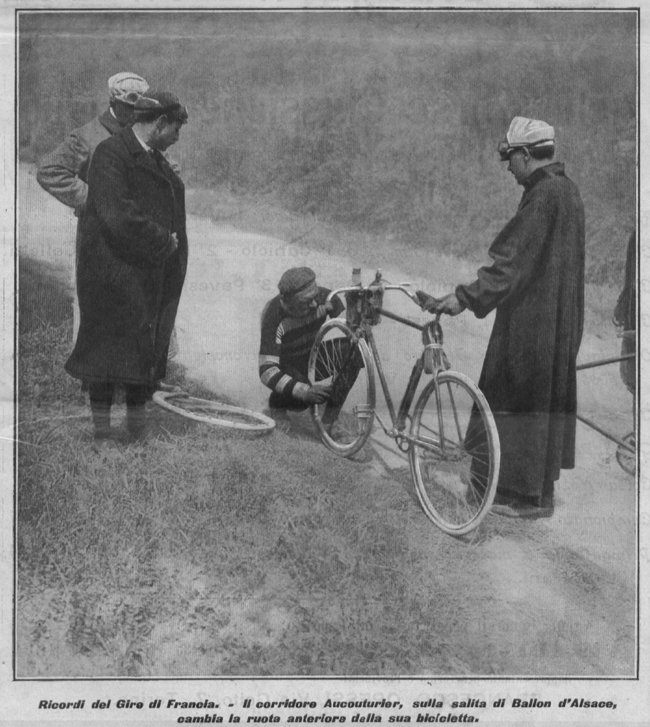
{"points": [[379, 286], [431, 330]]}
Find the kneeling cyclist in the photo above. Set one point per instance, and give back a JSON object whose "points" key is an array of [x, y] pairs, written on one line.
{"points": [[290, 322]]}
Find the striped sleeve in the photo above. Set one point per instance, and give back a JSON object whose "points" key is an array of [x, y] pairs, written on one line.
{"points": [[269, 358]]}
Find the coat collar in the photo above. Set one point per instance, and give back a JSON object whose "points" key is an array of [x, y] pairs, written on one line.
{"points": [[548, 170], [110, 123], [131, 142], [136, 150]]}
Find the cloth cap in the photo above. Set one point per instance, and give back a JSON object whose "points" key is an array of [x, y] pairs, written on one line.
{"points": [[160, 103], [126, 87], [294, 280], [525, 132]]}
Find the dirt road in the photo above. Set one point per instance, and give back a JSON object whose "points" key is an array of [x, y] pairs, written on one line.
{"points": [[571, 577]]}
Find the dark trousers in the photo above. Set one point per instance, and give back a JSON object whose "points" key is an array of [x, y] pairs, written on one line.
{"points": [[102, 394]]}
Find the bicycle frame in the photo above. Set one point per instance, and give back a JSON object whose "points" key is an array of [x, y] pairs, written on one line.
{"points": [[603, 362], [364, 330]]}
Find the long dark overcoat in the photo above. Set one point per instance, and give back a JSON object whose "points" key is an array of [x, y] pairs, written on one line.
{"points": [[129, 279], [536, 284]]}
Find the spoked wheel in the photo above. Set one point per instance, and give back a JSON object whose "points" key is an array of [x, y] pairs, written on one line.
{"points": [[455, 458], [341, 360], [626, 457], [214, 412]]}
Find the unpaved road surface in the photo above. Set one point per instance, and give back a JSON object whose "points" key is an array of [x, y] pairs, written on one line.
{"points": [[566, 580]]}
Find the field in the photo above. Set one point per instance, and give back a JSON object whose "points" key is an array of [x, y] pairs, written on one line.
{"points": [[385, 122]]}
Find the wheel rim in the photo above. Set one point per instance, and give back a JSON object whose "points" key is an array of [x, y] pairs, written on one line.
{"points": [[340, 360], [455, 466], [213, 412], [625, 458]]}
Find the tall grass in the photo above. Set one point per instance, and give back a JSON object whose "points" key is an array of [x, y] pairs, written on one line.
{"points": [[385, 122]]}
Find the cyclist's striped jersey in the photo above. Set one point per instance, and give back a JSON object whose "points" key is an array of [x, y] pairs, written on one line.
{"points": [[286, 343]]}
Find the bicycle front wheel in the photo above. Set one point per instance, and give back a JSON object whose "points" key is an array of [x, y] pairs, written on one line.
{"points": [[214, 412], [341, 360], [455, 456]]}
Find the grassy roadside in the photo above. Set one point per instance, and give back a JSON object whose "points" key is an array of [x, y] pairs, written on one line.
{"points": [[204, 552], [207, 553]]}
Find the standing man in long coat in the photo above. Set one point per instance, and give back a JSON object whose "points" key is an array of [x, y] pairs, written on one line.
{"points": [[536, 284], [63, 172], [132, 263]]}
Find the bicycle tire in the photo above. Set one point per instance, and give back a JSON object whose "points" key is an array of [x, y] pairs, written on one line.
{"points": [[625, 458], [455, 479], [335, 355], [214, 412]]}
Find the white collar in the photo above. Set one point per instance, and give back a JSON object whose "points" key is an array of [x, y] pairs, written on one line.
{"points": [[145, 146]]}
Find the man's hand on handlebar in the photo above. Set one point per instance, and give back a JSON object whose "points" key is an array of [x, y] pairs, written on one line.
{"points": [[324, 309], [426, 302], [449, 304]]}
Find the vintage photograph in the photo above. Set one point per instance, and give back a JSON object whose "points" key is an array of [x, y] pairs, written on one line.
{"points": [[326, 343]]}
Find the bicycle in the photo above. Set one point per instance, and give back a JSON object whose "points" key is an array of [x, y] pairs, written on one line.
{"points": [[452, 441], [626, 445]]}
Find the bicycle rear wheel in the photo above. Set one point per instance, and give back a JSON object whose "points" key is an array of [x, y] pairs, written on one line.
{"points": [[625, 457], [338, 358], [214, 412], [455, 458]]}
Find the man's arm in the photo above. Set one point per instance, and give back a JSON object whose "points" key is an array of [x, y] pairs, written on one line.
{"points": [[269, 359], [275, 379], [515, 253], [271, 375], [337, 307], [58, 172], [332, 309]]}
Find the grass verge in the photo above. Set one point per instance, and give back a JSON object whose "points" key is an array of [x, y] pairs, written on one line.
{"points": [[204, 552]]}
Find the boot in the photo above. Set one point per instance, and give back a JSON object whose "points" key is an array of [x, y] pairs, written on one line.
{"points": [[136, 422]]}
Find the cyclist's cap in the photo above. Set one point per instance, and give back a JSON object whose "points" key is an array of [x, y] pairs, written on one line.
{"points": [[126, 87], [526, 133], [294, 280], [153, 104]]}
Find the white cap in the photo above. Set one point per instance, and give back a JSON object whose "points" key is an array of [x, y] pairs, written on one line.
{"points": [[529, 132], [126, 87], [525, 132]]}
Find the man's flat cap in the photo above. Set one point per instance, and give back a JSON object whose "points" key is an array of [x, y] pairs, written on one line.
{"points": [[294, 280], [160, 103]]}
